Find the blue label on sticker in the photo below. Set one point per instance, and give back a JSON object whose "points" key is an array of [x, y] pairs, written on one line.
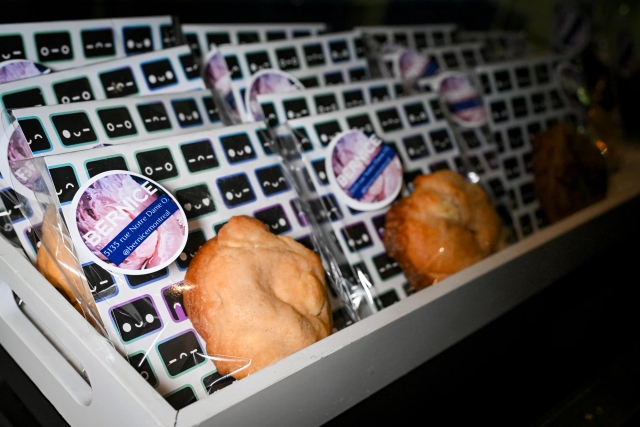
{"points": [[454, 107], [372, 172], [138, 230]]}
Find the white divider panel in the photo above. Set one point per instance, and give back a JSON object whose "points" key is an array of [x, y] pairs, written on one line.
{"points": [[323, 60], [522, 98], [424, 145], [412, 36], [116, 121], [446, 58], [164, 71], [203, 37], [61, 45], [280, 107]]}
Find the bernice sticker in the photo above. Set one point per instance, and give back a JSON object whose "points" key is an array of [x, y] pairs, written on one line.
{"points": [[462, 100], [127, 223], [365, 171]]}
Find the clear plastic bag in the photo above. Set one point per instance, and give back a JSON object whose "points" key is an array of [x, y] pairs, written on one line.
{"points": [[144, 315]]}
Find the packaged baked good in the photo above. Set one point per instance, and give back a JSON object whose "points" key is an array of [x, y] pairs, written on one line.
{"points": [[569, 171], [136, 227]]}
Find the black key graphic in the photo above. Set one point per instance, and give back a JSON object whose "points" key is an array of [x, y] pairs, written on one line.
{"points": [[287, 58], [192, 41], [276, 35], [77, 90], [54, 46], [386, 266], [314, 54], [159, 74], [35, 134], [98, 43], [137, 40], [117, 122], [145, 279], [100, 281], [212, 109], [237, 148], [233, 66], [386, 299], [189, 66], [357, 237], [333, 78], [272, 180], [327, 131], [236, 190], [118, 83], [23, 99], [523, 77], [389, 119], [258, 61], [157, 164], [296, 108], [12, 47], [353, 98], [196, 201], [503, 80], [339, 51], [65, 182], [136, 318], [379, 93], [215, 382], [74, 128], [195, 240], [141, 363], [441, 140], [199, 155], [325, 103], [319, 167], [416, 114], [154, 116], [181, 353], [182, 397], [96, 167], [246, 37], [519, 105], [218, 39], [361, 122], [186, 110], [275, 218], [415, 147]]}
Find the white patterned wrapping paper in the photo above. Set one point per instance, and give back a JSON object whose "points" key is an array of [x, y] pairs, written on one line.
{"points": [[168, 70], [204, 37], [280, 107], [446, 58], [214, 175], [522, 98], [424, 144], [323, 60], [61, 45], [412, 36]]}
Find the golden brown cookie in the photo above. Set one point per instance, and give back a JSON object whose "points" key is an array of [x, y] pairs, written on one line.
{"points": [[445, 225], [55, 262], [255, 296]]}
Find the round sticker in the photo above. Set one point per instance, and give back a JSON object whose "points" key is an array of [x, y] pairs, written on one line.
{"points": [[573, 87], [571, 29], [128, 223], [414, 65], [19, 69], [366, 172], [18, 165], [462, 100], [268, 81], [218, 78]]}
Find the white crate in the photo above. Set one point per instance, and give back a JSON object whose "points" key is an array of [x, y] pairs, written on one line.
{"points": [[316, 384]]}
